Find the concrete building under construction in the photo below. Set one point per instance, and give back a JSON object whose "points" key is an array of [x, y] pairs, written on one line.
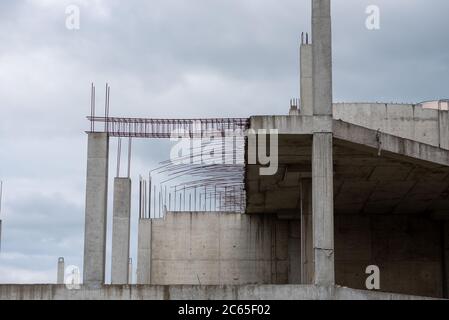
{"points": [[357, 185]]}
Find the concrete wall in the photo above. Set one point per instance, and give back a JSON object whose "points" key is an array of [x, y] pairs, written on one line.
{"points": [[407, 249], [249, 292], [223, 248], [220, 248], [402, 120]]}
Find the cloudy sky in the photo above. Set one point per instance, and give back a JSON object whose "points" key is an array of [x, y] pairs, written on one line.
{"points": [[172, 58]]}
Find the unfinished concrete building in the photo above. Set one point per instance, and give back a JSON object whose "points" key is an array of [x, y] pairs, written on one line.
{"points": [[357, 185]]}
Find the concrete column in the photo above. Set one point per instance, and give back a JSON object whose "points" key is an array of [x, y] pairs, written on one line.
{"points": [[61, 271], [294, 252], [307, 252], [306, 84], [322, 57], [323, 209], [322, 158], [96, 209], [130, 271], [446, 260], [120, 230], [144, 252]]}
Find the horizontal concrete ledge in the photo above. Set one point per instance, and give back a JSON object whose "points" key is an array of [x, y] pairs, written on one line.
{"points": [[365, 137], [149, 292], [390, 144], [284, 124]]}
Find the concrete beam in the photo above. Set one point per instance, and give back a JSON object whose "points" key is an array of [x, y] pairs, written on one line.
{"points": [[307, 252], [96, 209], [144, 244], [284, 124], [120, 230]]}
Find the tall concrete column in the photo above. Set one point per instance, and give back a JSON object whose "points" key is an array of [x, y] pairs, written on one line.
{"points": [[294, 251], [322, 57], [144, 252], [61, 270], [323, 209], [306, 84], [120, 230], [307, 252], [322, 153], [96, 209]]}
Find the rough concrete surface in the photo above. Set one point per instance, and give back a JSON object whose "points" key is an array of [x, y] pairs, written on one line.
{"points": [[228, 292], [96, 209], [214, 248]]}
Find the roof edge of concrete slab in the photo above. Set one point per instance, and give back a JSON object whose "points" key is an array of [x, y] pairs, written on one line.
{"points": [[390, 145], [195, 292], [284, 124]]}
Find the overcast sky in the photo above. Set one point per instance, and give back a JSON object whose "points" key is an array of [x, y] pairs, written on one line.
{"points": [[172, 58]]}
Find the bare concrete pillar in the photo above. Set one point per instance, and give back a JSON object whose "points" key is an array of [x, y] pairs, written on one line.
{"points": [[130, 271], [61, 270], [323, 209], [322, 57], [446, 260], [306, 84], [96, 209], [322, 153], [144, 252], [120, 230], [307, 252], [294, 252]]}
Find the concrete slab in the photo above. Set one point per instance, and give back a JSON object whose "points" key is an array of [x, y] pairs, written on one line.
{"points": [[148, 292]]}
